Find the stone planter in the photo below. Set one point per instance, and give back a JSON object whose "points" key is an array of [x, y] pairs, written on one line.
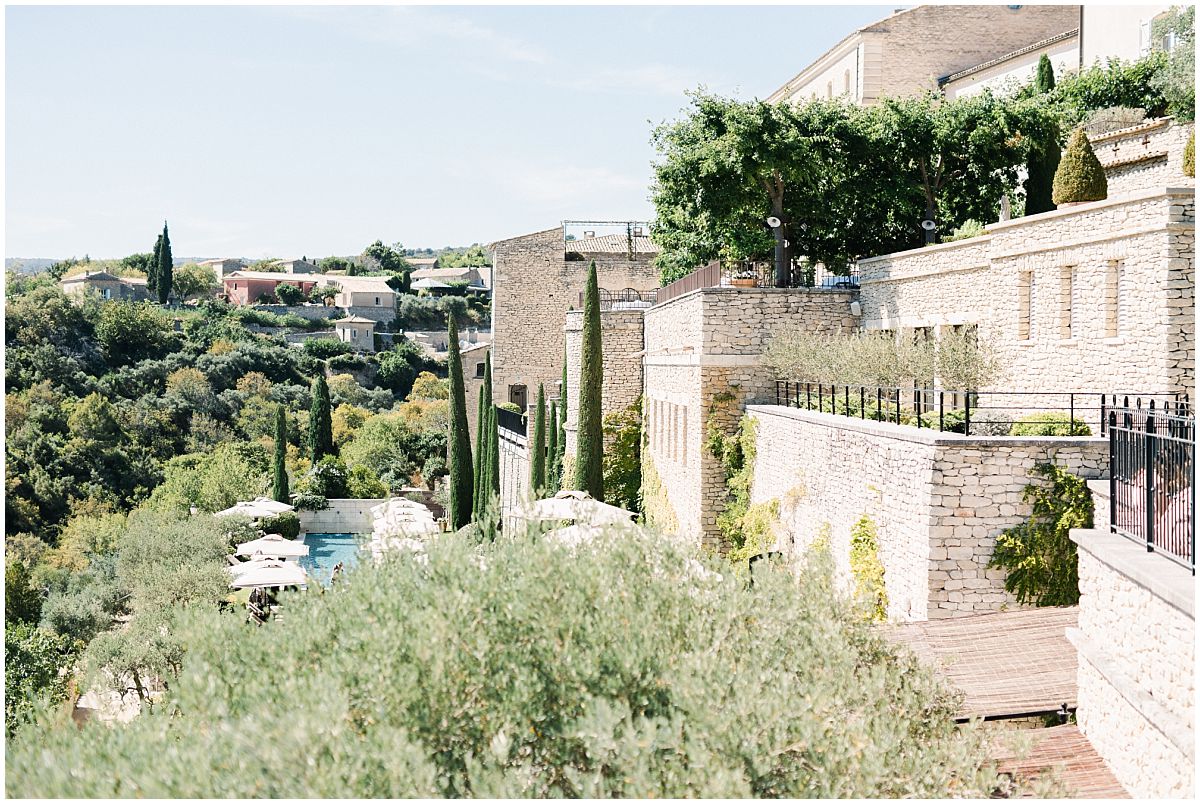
{"points": [[744, 283]]}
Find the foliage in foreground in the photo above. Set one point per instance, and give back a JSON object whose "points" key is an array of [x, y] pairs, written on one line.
{"points": [[525, 668], [1041, 560]]}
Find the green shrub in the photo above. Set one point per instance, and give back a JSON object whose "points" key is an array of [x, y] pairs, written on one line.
{"points": [[969, 229], [623, 457], [364, 484], [1041, 559], [308, 501], [347, 362], [1079, 176], [290, 294], [33, 661], [527, 669], [511, 407], [286, 524], [1048, 424], [325, 348], [329, 478], [869, 585]]}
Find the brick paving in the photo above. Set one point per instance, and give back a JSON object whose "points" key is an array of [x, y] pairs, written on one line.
{"points": [[1065, 752], [1005, 663]]}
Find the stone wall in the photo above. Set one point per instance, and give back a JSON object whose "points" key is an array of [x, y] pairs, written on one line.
{"points": [[938, 500], [342, 516], [514, 470], [309, 311], [1136, 645], [533, 288], [1144, 157], [1094, 298], [702, 365], [380, 315], [621, 346]]}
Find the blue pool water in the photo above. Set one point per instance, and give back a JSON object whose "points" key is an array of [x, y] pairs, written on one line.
{"points": [[325, 550]]}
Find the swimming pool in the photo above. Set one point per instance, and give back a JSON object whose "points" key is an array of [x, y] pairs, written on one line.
{"points": [[325, 551]]}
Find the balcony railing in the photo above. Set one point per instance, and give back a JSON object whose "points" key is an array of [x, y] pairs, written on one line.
{"points": [[754, 274], [627, 299], [1152, 492], [513, 422]]}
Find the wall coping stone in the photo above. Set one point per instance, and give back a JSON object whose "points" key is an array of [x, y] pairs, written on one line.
{"points": [[1129, 131], [1160, 576], [722, 289], [918, 435]]}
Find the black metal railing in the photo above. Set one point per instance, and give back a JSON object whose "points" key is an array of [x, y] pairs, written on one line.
{"points": [[513, 422], [759, 274], [627, 299], [1152, 493], [994, 413]]}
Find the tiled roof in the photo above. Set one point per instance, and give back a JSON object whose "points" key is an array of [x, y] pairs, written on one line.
{"points": [[1071, 34], [277, 276], [373, 284], [612, 244], [442, 273], [99, 276], [354, 319]]}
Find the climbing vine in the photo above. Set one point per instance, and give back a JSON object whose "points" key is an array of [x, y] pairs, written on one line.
{"points": [[1041, 559], [656, 507], [748, 529], [623, 457], [869, 585]]}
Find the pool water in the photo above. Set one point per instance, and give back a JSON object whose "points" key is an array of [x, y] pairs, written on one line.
{"points": [[325, 551]]}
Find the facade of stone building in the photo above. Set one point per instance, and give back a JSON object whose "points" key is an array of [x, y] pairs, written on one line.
{"points": [[536, 279], [621, 345], [356, 331], [1013, 70], [474, 361], [910, 50], [105, 285]]}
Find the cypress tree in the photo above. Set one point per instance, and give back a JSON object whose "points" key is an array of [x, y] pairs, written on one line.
{"points": [[589, 455], [320, 422], [1044, 154], [493, 473], [152, 269], [461, 475], [480, 422], [537, 459], [279, 489], [165, 267], [552, 466]]}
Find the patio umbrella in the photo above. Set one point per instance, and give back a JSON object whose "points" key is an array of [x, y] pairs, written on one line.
{"points": [[242, 567], [580, 509], [412, 527], [276, 573], [272, 545], [255, 509]]}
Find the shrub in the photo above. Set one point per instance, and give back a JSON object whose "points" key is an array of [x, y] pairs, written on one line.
{"points": [[1102, 121], [1041, 559], [510, 708], [33, 661], [308, 501], [325, 348], [623, 457], [286, 524], [969, 229], [1048, 424], [347, 362], [869, 585], [511, 407], [290, 294], [364, 484], [329, 478], [1079, 176]]}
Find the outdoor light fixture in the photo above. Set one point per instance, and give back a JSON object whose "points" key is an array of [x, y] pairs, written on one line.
{"points": [[774, 222]]}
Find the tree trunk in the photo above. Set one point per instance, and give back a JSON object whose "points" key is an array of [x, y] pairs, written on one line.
{"points": [[782, 263]]}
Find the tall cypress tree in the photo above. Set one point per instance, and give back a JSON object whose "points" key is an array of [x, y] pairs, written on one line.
{"points": [[461, 474], [537, 458], [589, 454], [165, 267], [553, 467], [279, 489], [1044, 152], [320, 422], [493, 473], [152, 269], [480, 442]]}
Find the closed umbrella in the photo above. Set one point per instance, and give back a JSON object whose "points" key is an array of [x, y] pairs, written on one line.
{"points": [[271, 574], [579, 509], [273, 545]]}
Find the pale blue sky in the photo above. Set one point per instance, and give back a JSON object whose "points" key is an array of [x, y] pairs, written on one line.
{"points": [[315, 130]]}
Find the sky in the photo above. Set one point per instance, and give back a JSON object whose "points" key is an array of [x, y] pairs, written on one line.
{"points": [[294, 131]]}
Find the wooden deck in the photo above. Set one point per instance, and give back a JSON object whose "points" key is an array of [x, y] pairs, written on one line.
{"points": [[1007, 664], [1066, 753]]}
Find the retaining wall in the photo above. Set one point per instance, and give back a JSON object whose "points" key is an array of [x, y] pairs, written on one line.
{"points": [[342, 516], [938, 500], [621, 347]]}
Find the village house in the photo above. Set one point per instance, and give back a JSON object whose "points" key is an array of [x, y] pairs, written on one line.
{"points": [[248, 287], [356, 331], [440, 281], [301, 266], [223, 266], [106, 286]]}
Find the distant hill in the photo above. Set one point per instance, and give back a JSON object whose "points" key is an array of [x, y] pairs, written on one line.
{"points": [[28, 265]]}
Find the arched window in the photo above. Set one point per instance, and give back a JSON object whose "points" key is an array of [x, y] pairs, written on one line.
{"points": [[847, 78]]}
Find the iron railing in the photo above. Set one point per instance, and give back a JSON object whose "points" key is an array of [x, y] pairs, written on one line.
{"points": [[1061, 413], [1152, 493], [627, 299], [746, 273], [513, 422]]}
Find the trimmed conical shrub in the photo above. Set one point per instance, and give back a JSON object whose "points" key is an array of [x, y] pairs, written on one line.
{"points": [[1080, 176], [537, 457], [461, 474], [1044, 154], [320, 422], [589, 457], [279, 486]]}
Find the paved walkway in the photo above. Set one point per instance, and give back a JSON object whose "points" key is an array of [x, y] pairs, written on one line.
{"points": [[1005, 663], [1065, 752]]}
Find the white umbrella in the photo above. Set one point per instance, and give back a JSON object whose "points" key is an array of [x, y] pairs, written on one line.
{"points": [[395, 502], [256, 508], [272, 545], [583, 509], [277, 573], [415, 527], [242, 567]]}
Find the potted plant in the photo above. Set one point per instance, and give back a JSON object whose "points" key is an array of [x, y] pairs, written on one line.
{"points": [[744, 279]]}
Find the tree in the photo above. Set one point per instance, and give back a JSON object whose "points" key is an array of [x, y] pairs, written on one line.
{"points": [[589, 454], [132, 331], [152, 268], [391, 260], [480, 445], [165, 268], [537, 458], [320, 422], [1080, 176], [33, 662], [461, 477], [22, 600], [279, 486], [1176, 80], [493, 456], [193, 281], [553, 471], [1044, 155], [289, 294]]}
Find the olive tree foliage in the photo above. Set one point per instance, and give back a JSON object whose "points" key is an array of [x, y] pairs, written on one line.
{"points": [[1176, 80], [813, 704]]}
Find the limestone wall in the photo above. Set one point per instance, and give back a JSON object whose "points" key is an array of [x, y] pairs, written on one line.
{"points": [[621, 345], [514, 470], [938, 500], [310, 311], [1136, 645], [1145, 156], [342, 516], [1091, 298]]}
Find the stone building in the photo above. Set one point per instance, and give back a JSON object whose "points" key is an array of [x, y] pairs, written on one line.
{"points": [[1012, 70], [621, 339], [909, 51], [357, 331], [223, 266], [536, 279], [105, 285]]}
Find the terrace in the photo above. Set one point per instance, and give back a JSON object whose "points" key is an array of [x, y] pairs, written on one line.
{"points": [[757, 274]]}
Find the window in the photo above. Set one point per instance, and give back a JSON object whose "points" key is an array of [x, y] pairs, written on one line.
{"points": [[847, 80], [829, 90], [1025, 306], [353, 333], [1112, 299], [376, 301], [479, 371], [108, 293], [1066, 296]]}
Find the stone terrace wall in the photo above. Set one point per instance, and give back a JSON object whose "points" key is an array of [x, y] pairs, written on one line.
{"points": [[702, 365], [938, 500], [514, 469], [310, 311], [342, 516], [1136, 644], [1144, 157], [533, 288], [621, 345], [1129, 303]]}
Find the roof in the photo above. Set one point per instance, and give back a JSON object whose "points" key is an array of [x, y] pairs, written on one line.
{"points": [[1053, 40], [444, 273], [429, 284], [293, 259], [354, 319], [371, 284], [276, 276], [220, 261], [612, 244], [99, 276], [491, 246], [422, 260], [134, 280]]}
